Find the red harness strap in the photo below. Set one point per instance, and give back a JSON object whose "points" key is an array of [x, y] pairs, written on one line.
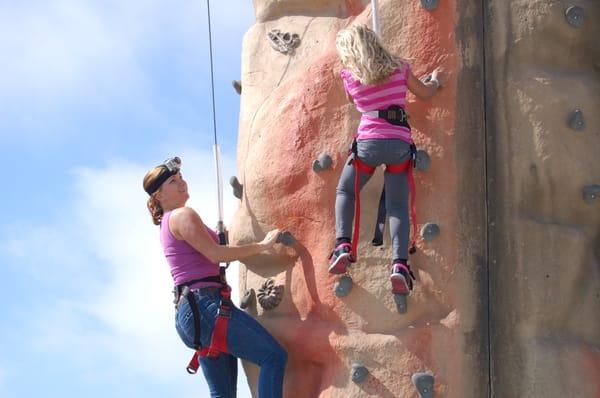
{"points": [[360, 166], [218, 340]]}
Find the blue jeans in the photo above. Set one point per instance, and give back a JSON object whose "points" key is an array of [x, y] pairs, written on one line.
{"points": [[246, 339]]}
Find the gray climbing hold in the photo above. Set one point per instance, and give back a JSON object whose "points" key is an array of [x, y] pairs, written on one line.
{"points": [[237, 86], [238, 188], [285, 238], [343, 286], [591, 193], [423, 160], [574, 15], [576, 120], [285, 43], [401, 303], [429, 4], [323, 162], [270, 295], [423, 382], [429, 231], [359, 373], [248, 299]]}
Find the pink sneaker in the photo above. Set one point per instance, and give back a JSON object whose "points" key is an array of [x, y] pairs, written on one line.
{"points": [[340, 259], [401, 278]]}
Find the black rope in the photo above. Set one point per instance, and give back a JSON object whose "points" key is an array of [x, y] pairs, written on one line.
{"points": [[212, 79]]}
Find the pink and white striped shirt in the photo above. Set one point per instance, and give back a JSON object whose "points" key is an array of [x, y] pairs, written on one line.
{"points": [[381, 96]]}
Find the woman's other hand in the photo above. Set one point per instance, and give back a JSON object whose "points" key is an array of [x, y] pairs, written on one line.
{"points": [[270, 239]]}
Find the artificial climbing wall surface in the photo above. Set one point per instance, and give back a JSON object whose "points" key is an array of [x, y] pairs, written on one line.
{"points": [[543, 140], [492, 311]]}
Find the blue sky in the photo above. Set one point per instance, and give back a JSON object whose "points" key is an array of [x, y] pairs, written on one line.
{"points": [[93, 94]]}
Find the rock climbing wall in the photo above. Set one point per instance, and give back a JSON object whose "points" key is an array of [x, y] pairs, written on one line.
{"points": [[501, 174], [542, 102]]}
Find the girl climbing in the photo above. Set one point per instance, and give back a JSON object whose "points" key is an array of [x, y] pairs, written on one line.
{"points": [[376, 82], [206, 320]]}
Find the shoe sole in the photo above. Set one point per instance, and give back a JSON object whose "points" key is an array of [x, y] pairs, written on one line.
{"points": [[399, 285], [340, 264]]}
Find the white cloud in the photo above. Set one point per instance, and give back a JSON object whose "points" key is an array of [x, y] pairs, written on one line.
{"points": [[124, 305]]}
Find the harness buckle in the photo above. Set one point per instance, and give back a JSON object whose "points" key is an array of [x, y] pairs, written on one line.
{"points": [[224, 311]]}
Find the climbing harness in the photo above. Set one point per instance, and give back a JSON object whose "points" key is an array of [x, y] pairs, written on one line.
{"points": [[360, 166], [218, 341], [394, 114]]}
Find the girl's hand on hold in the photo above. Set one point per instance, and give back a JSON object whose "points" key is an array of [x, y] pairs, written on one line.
{"points": [[439, 75], [270, 239]]}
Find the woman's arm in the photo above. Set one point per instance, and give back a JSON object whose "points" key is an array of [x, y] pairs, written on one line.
{"points": [[186, 224], [422, 90]]}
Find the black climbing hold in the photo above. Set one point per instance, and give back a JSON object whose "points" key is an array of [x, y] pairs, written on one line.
{"points": [[591, 193], [323, 162], [576, 121], [285, 43], [429, 4], [412, 250], [423, 160], [343, 286], [429, 231], [285, 238], [238, 188], [423, 382], [359, 373], [574, 15], [237, 86], [401, 303], [248, 299]]}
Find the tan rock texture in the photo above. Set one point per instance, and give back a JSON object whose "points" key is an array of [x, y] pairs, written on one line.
{"points": [[508, 295]]}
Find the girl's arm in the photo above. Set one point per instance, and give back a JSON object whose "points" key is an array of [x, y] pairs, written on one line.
{"points": [[186, 224], [422, 90]]}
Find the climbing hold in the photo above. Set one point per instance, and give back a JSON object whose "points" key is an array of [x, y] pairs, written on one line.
{"points": [[285, 43], [591, 193], [270, 295], [343, 286], [238, 188], [285, 238], [423, 382], [359, 373], [401, 303], [429, 4], [423, 160], [323, 162], [429, 231], [237, 86], [576, 121], [574, 15], [248, 299]]}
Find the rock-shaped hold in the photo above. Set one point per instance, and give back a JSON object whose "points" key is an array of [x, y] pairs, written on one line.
{"points": [[270, 295], [429, 231], [401, 301], [423, 160], [323, 162], [429, 4], [343, 286], [248, 299], [238, 189], [591, 193], [285, 238], [576, 120], [423, 382], [574, 16], [285, 43], [237, 86], [359, 373]]}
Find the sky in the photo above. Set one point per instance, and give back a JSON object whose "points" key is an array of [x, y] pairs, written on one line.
{"points": [[92, 95]]}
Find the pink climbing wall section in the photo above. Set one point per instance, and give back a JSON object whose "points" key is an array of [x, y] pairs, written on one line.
{"points": [[293, 112]]}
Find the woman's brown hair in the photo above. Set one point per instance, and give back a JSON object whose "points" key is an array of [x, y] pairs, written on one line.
{"points": [[154, 207]]}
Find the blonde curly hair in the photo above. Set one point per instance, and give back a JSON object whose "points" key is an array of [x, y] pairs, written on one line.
{"points": [[364, 56]]}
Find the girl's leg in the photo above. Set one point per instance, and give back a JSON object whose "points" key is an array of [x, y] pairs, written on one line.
{"points": [[221, 375], [396, 201]]}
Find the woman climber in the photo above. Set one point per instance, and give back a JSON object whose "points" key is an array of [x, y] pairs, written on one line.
{"points": [[376, 82], [206, 320]]}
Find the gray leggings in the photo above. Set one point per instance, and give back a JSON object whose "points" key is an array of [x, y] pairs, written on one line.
{"points": [[374, 153]]}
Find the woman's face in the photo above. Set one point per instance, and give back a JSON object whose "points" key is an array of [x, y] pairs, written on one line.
{"points": [[173, 192]]}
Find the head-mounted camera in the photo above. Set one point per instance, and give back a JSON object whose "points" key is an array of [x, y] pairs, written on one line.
{"points": [[169, 167]]}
